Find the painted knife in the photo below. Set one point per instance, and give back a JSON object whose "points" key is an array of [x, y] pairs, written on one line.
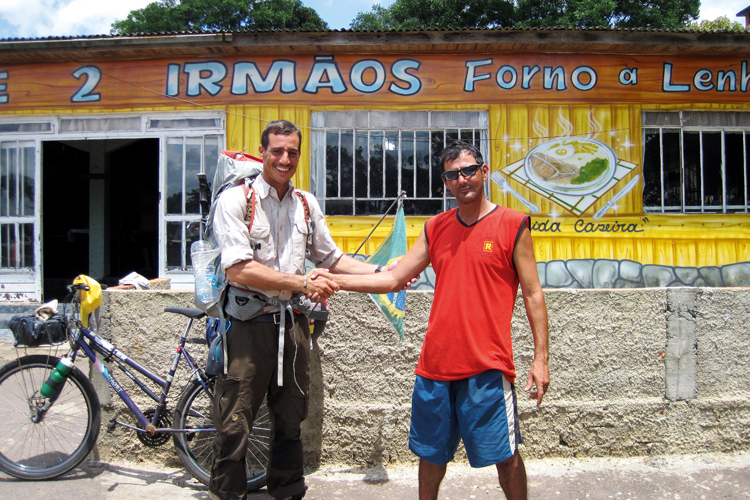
{"points": [[630, 185]]}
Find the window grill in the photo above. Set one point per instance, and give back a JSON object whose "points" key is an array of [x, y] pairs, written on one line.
{"points": [[363, 160], [696, 162]]}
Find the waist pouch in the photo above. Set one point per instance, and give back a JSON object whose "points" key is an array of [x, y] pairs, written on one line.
{"points": [[245, 305]]}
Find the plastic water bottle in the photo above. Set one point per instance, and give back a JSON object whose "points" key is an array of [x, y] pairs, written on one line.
{"points": [[206, 287], [57, 378]]}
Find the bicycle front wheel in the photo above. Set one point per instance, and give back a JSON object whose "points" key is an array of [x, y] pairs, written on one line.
{"points": [[194, 411], [36, 445]]}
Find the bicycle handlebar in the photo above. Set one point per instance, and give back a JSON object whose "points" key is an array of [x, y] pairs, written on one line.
{"points": [[83, 286]]}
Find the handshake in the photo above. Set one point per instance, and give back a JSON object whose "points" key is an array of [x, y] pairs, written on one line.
{"points": [[320, 284]]}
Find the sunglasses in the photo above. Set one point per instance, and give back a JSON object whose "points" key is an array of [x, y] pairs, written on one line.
{"points": [[468, 171]]}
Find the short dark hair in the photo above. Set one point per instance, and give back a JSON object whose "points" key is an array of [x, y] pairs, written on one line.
{"points": [[454, 150], [280, 127]]}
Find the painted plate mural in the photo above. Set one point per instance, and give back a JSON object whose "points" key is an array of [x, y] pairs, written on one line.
{"points": [[572, 166]]}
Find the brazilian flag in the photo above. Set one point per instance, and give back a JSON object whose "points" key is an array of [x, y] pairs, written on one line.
{"points": [[392, 248]]}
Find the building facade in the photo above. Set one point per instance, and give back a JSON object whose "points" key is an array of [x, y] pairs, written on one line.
{"points": [[628, 148]]}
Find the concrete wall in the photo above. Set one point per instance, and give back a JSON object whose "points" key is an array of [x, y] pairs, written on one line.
{"points": [[634, 372]]}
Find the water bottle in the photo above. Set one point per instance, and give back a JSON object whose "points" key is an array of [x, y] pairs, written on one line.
{"points": [[206, 287], [57, 378]]}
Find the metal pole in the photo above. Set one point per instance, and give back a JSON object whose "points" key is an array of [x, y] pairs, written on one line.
{"points": [[402, 195]]}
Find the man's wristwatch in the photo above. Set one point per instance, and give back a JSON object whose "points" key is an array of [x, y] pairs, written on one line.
{"points": [[378, 269]]}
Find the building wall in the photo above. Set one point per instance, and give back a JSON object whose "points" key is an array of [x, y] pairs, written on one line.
{"points": [[634, 372], [695, 240]]}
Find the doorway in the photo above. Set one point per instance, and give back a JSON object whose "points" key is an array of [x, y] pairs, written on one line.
{"points": [[100, 211]]}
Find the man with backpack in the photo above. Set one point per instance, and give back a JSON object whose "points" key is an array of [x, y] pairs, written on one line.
{"points": [[264, 234], [464, 385]]}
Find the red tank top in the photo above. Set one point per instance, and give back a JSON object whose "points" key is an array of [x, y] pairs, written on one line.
{"points": [[475, 291]]}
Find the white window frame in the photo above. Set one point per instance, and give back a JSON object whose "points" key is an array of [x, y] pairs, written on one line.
{"points": [[692, 121], [26, 284], [370, 122]]}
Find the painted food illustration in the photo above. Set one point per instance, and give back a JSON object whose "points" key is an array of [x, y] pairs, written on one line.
{"points": [[571, 165]]}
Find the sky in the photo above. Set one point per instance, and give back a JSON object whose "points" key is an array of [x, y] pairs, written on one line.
{"points": [[43, 18]]}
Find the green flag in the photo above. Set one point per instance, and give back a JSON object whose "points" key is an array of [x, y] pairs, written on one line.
{"points": [[392, 248]]}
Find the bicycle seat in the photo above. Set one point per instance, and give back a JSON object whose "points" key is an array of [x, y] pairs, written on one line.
{"points": [[186, 311]]}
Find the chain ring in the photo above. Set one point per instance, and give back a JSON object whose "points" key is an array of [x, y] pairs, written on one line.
{"points": [[160, 438]]}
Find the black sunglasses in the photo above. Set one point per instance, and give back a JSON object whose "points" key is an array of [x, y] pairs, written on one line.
{"points": [[468, 171]]}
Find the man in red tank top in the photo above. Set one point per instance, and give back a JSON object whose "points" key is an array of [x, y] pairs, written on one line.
{"points": [[464, 389]]}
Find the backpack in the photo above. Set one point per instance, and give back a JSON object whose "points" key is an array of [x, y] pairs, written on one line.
{"points": [[233, 168]]}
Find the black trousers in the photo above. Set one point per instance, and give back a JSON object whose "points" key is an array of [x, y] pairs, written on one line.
{"points": [[252, 349]]}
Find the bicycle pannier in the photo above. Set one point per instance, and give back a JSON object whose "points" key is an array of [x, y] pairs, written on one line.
{"points": [[30, 331]]}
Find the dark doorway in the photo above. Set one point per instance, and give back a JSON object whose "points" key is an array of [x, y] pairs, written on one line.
{"points": [[132, 191], [65, 217], [134, 210]]}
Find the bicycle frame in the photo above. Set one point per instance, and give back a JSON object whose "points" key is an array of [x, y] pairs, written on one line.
{"points": [[94, 347]]}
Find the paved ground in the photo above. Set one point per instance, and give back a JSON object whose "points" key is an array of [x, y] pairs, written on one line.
{"points": [[709, 476]]}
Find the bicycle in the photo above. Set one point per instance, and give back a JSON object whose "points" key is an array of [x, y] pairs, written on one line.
{"points": [[44, 437]]}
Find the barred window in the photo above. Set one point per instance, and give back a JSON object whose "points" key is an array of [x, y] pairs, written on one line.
{"points": [[185, 157], [696, 162], [363, 160]]}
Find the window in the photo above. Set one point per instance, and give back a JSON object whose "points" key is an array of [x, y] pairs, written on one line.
{"points": [[185, 157], [696, 162], [363, 160], [17, 204]]}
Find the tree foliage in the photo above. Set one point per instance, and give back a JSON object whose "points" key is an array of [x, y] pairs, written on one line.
{"points": [[720, 23], [437, 14], [219, 15], [453, 14]]}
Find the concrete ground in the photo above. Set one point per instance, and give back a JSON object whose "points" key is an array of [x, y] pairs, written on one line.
{"points": [[684, 477]]}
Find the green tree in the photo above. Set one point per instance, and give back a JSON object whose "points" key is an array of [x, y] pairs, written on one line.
{"points": [[437, 14], [720, 23], [219, 15], [453, 14], [664, 14]]}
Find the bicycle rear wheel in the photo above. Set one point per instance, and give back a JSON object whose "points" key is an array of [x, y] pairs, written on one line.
{"points": [[194, 410], [66, 433]]}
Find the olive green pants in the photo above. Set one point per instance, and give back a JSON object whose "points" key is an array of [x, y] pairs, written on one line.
{"points": [[252, 349]]}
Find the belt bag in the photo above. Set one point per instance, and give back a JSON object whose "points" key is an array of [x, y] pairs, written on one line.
{"points": [[245, 305]]}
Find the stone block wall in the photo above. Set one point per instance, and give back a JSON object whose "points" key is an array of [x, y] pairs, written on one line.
{"points": [[634, 372]]}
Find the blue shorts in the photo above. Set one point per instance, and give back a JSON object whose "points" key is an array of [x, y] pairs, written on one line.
{"points": [[481, 410]]}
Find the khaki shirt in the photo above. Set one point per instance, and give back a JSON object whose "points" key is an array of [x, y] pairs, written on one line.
{"points": [[278, 238]]}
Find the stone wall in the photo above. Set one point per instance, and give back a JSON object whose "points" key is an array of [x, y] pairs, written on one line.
{"points": [[634, 372]]}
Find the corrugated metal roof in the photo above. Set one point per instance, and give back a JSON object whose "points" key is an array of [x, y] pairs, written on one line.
{"points": [[439, 30], [278, 42]]}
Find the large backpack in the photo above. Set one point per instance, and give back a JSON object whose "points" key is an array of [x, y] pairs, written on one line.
{"points": [[233, 168]]}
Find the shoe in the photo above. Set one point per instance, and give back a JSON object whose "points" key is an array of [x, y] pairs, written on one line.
{"points": [[212, 496]]}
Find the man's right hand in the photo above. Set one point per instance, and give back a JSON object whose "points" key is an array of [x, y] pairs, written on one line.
{"points": [[320, 285]]}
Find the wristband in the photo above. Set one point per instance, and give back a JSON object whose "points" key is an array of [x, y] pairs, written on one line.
{"points": [[378, 269], [304, 285]]}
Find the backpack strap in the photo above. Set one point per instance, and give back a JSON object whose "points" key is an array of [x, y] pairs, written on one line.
{"points": [[250, 206], [249, 191], [308, 219]]}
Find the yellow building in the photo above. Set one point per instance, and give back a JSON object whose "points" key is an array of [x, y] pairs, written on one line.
{"points": [[628, 148]]}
